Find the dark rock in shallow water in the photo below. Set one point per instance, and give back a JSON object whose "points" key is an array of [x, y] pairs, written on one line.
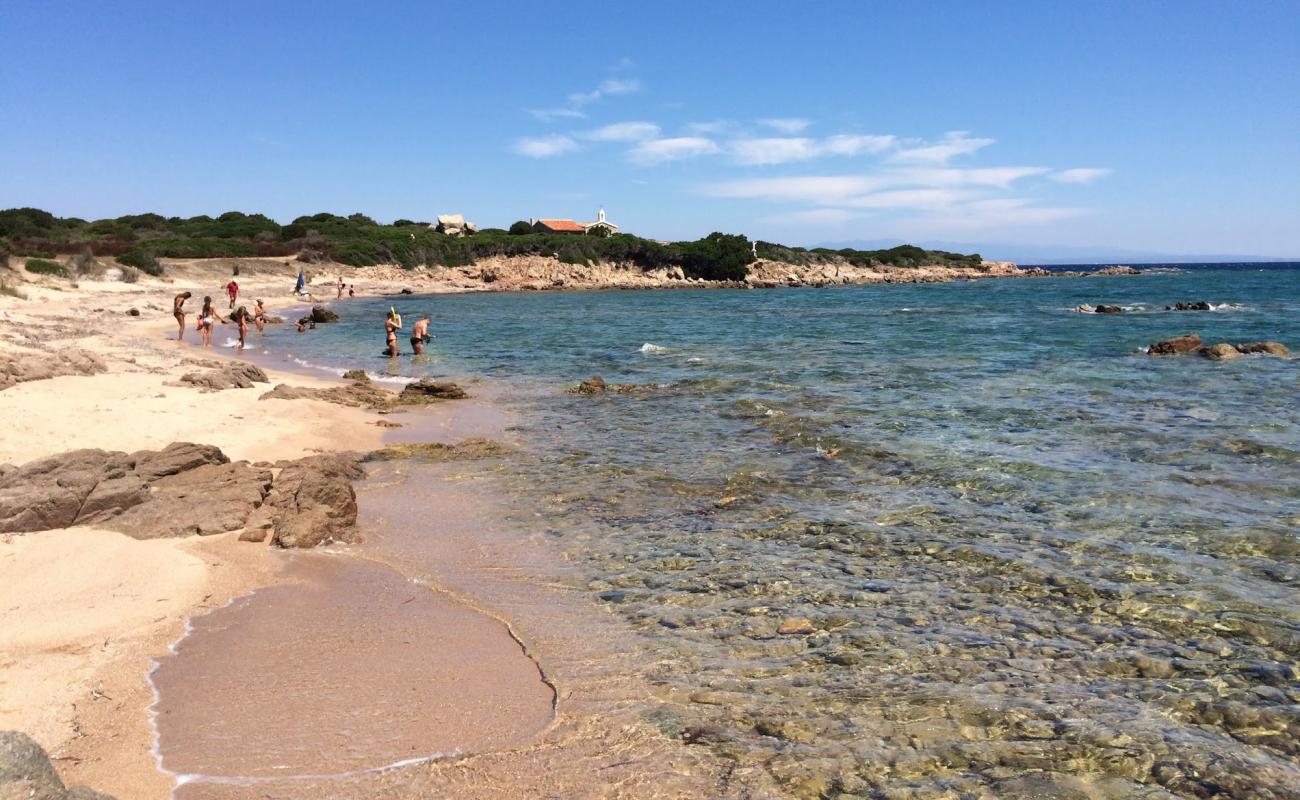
{"points": [[26, 772], [1103, 309], [1199, 305], [322, 314], [593, 385], [1187, 343], [424, 391], [358, 375]]}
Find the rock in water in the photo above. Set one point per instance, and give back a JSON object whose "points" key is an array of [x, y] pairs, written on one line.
{"points": [[1187, 343], [1267, 348], [358, 375], [424, 391], [322, 314], [795, 626], [1221, 352], [26, 772], [1109, 310], [593, 385], [1199, 305]]}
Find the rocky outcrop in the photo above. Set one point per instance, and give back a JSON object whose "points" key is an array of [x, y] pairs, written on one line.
{"points": [[322, 314], [26, 773], [1187, 343], [1199, 305], [22, 367], [357, 395], [233, 375], [428, 391], [358, 375], [1222, 351], [437, 451], [182, 490]]}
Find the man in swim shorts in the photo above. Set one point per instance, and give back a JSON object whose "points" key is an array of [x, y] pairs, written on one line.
{"points": [[420, 334]]}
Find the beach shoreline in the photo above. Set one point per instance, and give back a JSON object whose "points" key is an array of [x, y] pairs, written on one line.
{"points": [[78, 674]]}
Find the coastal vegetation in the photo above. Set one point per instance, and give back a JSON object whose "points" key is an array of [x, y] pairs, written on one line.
{"points": [[40, 266], [139, 240]]}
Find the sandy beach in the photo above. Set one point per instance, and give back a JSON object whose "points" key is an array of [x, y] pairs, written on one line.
{"points": [[89, 612]]}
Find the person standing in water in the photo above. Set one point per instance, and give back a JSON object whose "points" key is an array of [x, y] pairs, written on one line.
{"points": [[178, 311], [420, 334], [342, 286], [232, 290], [391, 326], [259, 316], [240, 318], [207, 318]]}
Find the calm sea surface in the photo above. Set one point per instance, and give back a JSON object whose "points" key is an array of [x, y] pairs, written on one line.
{"points": [[1034, 561]]}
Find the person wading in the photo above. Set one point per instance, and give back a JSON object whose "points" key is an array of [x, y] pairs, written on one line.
{"points": [[178, 311]]}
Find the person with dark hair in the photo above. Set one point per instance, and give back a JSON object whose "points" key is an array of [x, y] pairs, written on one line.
{"points": [[178, 311], [240, 317], [232, 290], [207, 318]]}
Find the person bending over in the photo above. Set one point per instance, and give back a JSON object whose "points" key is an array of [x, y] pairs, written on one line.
{"points": [[420, 334]]}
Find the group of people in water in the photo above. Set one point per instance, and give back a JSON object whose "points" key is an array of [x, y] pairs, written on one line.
{"points": [[209, 316], [242, 317]]}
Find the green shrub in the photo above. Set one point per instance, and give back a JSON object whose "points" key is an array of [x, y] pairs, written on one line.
{"points": [[35, 254], [716, 257], [202, 248], [520, 228], [41, 266], [142, 260]]}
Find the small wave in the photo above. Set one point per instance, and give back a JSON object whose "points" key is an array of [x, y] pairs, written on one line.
{"points": [[1228, 307], [230, 343], [695, 361], [652, 348]]}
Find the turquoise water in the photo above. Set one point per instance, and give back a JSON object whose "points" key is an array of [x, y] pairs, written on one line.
{"points": [[1036, 561]]}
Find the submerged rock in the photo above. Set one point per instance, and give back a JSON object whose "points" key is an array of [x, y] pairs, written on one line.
{"points": [[1221, 351], [1199, 305], [438, 451], [26, 772], [596, 385]]}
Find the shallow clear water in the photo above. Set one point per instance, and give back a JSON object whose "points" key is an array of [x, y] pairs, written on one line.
{"points": [[1036, 561]]}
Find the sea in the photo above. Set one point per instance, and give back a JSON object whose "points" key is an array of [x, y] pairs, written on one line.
{"points": [[917, 541]]}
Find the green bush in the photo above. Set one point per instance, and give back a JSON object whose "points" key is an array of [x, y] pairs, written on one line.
{"points": [[42, 267], [35, 254], [142, 260], [202, 248], [520, 228], [716, 257], [130, 274]]}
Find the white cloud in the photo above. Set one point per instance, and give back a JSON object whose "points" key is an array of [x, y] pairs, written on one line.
{"points": [[619, 86], [624, 132], [655, 151], [545, 146], [772, 151], [827, 189], [954, 143], [711, 128], [1000, 177], [552, 114], [786, 124], [783, 150], [852, 145], [1080, 174], [855, 189], [991, 213], [910, 198]]}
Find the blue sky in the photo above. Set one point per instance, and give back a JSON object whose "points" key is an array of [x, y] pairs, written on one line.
{"points": [[1171, 127]]}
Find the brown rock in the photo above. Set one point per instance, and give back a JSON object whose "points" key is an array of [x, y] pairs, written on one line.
{"points": [[1221, 352], [322, 314], [259, 524], [205, 500], [307, 529], [176, 457], [1187, 343], [110, 497], [795, 626], [1268, 348], [236, 375], [24, 367], [26, 773], [593, 385], [49, 493], [358, 375], [425, 391], [314, 500], [1104, 309], [357, 395]]}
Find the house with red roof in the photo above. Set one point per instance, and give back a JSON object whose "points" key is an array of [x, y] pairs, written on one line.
{"points": [[558, 226]]}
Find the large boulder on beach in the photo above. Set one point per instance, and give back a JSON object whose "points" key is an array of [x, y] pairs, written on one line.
{"points": [[174, 458], [323, 314], [425, 391], [51, 492], [1178, 345], [313, 501], [27, 774], [18, 368], [233, 375], [356, 394], [206, 500]]}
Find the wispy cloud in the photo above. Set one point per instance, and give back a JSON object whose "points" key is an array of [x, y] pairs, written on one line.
{"points": [[954, 143], [577, 101], [624, 132], [783, 150], [545, 146], [657, 151], [786, 124], [814, 216], [1080, 174]]}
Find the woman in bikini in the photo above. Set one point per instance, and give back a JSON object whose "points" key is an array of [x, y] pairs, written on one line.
{"points": [[259, 316], [178, 311], [391, 326], [207, 318]]}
